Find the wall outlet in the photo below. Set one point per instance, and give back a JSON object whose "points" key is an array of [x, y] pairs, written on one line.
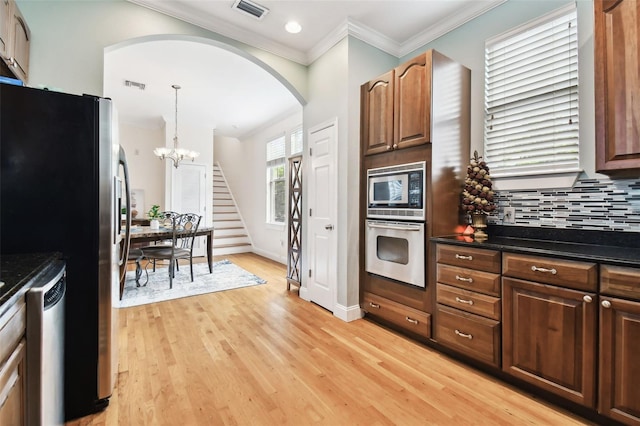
{"points": [[509, 215]]}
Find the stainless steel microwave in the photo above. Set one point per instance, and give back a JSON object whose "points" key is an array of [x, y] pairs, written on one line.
{"points": [[397, 192]]}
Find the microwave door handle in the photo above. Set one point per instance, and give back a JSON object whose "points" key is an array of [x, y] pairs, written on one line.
{"points": [[396, 228]]}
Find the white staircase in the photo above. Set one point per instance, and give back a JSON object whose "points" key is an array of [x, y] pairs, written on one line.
{"points": [[230, 235]]}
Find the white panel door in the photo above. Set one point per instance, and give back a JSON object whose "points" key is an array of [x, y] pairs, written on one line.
{"points": [[322, 198], [189, 196]]}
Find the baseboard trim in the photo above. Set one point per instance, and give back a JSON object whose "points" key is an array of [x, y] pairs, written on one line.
{"points": [[268, 255], [348, 313]]}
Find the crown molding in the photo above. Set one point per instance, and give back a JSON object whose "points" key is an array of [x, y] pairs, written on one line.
{"points": [[219, 26], [447, 24], [349, 27]]}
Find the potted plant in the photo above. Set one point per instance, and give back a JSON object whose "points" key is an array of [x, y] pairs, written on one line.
{"points": [[155, 216], [123, 213]]}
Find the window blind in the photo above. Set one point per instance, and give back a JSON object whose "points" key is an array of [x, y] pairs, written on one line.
{"points": [[276, 151], [531, 98], [296, 141]]}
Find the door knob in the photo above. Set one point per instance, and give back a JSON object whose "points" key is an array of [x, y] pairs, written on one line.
{"points": [[329, 227]]}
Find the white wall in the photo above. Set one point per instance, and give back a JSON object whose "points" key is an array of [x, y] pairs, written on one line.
{"points": [[466, 46], [244, 165], [68, 39], [145, 170]]}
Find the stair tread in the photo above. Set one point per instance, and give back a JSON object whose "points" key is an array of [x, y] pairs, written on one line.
{"points": [[231, 245]]}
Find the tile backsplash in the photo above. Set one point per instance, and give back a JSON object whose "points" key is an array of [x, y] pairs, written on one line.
{"points": [[593, 204]]}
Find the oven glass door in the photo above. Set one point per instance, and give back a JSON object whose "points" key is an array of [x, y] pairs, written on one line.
{"points": [[396, 250]]}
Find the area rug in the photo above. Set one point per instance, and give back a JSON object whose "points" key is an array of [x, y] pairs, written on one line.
{"points": [[225, 276]]}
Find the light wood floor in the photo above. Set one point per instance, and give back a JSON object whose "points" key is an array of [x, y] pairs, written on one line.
{"points": [[263, 356]]}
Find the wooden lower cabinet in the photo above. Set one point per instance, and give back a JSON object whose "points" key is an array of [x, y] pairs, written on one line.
{"points": [[549, 338], [408, 318], [13, 387], [619, 381], [470, 334]]}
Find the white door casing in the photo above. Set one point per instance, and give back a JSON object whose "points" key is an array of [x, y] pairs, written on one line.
{"points": [[322, 204], [189, 195]]}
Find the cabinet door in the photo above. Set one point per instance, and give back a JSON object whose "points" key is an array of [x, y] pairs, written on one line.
{"points": [[377, 114], [412, 102], [549, 338], [13, 388], [619, 367], [20, 39], [5, 27], [616, 36]]}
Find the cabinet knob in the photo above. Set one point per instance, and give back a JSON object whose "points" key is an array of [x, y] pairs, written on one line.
{"points": [[587, 298], [395, 146], [389, 147], [606, 304]]}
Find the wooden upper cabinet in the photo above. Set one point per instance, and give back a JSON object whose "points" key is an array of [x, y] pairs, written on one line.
{"points": [[377, 114], [20, 39], [396, 107], [5, 26], [617, 85], [412, 102]]}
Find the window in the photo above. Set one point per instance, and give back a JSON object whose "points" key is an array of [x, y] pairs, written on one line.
{"points": [[276, 184], [296, 141], [531, 98]]}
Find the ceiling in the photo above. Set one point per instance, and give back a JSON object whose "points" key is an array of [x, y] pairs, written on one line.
{"points": [[234, 95]]}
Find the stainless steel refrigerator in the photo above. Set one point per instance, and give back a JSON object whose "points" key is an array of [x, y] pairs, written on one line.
{"points": [[60, 190]]}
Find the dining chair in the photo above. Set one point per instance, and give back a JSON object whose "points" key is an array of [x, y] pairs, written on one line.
{"points": [[184, 228]]}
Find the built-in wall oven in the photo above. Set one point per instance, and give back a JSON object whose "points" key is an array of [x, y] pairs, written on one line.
{"points": [[395, 225], [396, 250]]}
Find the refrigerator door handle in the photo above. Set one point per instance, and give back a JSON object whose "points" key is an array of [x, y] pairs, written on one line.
{"points": [[124, 253]]}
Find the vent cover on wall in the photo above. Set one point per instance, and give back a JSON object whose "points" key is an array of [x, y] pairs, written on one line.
{"points": [[250, 8], [130, 83]]}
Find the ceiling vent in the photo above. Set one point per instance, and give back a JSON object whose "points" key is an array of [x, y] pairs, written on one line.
{"points": [[250, 8], [130, 83]]}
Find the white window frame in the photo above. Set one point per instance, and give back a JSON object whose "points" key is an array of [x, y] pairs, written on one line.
{"points": [[275, 158], [290, 148], [556, 153]]}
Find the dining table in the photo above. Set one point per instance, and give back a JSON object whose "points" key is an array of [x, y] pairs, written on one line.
{"points": [[146, 234]]}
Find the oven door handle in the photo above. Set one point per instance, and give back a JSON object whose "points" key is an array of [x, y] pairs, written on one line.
{"points": [[394, 227]]}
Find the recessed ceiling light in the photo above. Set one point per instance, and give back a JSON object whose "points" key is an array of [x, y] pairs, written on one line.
{"points": [[293, 27]]}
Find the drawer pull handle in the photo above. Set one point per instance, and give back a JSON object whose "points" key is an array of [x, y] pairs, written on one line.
{"points": [[467, 280], [468, 302], [606, 304], [374, 305], [552, 271], [465, 335], [411, 320], [459, 256], [587, 298]]}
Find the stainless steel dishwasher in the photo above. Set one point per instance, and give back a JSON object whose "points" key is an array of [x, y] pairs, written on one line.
{"points": [[45, 348]]}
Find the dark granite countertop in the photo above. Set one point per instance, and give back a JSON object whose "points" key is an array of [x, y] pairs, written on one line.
{"points": [[17, 272], [596, 246]]}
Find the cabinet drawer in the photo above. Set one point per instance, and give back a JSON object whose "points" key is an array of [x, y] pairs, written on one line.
{"points": [[470, 334], [620, 281], [565, 273], [408, 318], [470, 301], [483, 282], [12, 328], [467, 257]]}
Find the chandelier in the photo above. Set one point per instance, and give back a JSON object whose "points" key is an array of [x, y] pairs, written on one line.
{"points": [[175, 154]]}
